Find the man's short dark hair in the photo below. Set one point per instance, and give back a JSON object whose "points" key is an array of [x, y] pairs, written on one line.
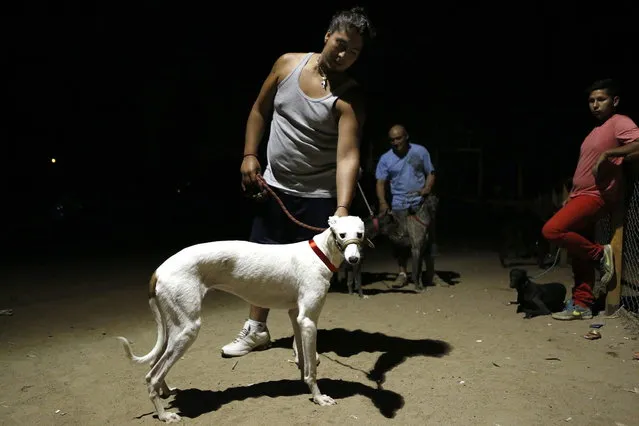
{"points": [[608, 84]]}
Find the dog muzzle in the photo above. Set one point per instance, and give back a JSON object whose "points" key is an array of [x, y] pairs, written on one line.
{"points": [[351, 249]]}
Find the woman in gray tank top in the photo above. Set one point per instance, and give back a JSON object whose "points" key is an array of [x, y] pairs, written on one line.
{"points": [[312, 154]]}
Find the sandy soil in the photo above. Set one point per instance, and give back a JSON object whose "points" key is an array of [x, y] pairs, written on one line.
{"points": [[450, 356]]}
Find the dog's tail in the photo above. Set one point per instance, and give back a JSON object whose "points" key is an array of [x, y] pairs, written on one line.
{"points": [[161, 331]]}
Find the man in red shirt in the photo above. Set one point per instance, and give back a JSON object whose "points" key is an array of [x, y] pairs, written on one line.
{"points": [[595, 188]]}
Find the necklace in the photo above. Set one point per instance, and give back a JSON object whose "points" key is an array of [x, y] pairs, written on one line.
{"points": [[322, 74]]}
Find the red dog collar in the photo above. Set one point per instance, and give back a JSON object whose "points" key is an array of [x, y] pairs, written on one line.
{"points": [[322, 256]]}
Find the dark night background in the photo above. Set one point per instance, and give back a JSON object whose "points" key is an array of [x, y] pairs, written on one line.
{"points": [[144, 108]]}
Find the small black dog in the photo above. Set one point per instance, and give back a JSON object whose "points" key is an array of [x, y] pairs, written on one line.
{"points": [[536, 299]]}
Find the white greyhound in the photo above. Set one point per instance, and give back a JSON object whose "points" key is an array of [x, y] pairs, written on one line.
{"points": [[294, 276]]}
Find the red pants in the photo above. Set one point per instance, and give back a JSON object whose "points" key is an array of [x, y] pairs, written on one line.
{"points": [[573, 228]]}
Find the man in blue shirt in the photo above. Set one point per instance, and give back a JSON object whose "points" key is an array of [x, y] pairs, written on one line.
{"points": [[410, 171]]}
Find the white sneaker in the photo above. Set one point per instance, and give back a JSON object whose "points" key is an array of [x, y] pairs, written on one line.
{"points": [[246, 341], [607, 267]]}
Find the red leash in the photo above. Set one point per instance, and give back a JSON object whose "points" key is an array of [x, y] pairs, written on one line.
{"points": [[264, 185]]}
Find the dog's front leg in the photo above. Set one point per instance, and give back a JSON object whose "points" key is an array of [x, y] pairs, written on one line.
{"points": [[357, 278], [416, 259], [417, 236], [308, 330], [297, 341], [542, 309], [350, 276]]}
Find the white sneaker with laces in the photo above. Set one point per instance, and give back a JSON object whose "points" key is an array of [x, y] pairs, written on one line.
{"points": [[249, 339]]}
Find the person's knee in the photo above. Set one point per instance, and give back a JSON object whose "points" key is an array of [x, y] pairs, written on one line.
{"points": [[551, 232]]}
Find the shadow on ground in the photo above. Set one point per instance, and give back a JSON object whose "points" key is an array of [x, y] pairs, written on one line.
{"points": [[194, 402], [345, 343]]}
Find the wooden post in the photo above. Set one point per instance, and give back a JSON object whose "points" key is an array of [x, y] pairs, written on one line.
{"points": [[613, 296]]}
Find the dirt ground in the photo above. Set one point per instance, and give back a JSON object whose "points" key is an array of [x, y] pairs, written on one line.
{"points": [[450, 356]]}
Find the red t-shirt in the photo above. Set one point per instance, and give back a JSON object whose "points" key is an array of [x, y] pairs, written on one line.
{"points": [[616, 131]]}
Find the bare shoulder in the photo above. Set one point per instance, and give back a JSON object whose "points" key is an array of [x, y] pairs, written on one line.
{"points": [[285, 64]]}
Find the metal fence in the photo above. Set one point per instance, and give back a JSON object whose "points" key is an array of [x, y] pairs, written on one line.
{"points": [[629, 302]]}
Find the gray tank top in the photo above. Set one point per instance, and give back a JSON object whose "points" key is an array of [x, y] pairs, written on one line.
{"points": [[302, 145]]}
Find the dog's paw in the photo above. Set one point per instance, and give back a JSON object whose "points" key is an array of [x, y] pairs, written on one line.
{"points": [[169, 417], [324, 400]]}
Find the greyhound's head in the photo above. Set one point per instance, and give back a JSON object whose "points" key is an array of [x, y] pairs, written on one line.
{"points": [[390, 226], [376, 225], [349, 234], [518, 278]]}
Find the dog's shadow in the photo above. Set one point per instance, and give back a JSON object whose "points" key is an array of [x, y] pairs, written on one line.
{"points": [[346, 343], [194, 402], [450, 277]]}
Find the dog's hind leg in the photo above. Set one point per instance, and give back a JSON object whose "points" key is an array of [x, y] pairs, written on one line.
{"points": [[181, 336], [165, 390], [307, 321], [182, 314]]}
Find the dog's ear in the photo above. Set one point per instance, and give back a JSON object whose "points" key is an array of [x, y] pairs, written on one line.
{"points": [[332, 220]]}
